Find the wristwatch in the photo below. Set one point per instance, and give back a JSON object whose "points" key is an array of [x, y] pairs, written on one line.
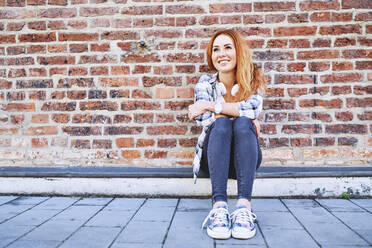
{"points": [[217, 108]]}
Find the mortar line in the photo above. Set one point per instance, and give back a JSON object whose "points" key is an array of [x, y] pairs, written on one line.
{"points": [[303, 226], [361, 206]]}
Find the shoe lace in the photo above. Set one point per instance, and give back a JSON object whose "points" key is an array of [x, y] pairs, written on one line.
{"points": [[243, 216], [218, 216]]}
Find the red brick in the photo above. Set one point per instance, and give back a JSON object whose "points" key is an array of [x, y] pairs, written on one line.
{"points": [[341, 78], [14, 73], [60, 71], [99, 105], [37, 72], [347, 141], [162, 118], [142, 22], [341, 17], [91, 118], [56, 25], [168, 81], [293, 67], [341, 29], [361, 90], [80, 144], [15, 50], [294, 79], [356, 4], [99, 70], [167, 143], [296, 92], [143, 10], [341, 90], [119, 35], [122, 119], [164, 33], [15, 26], [164, 93], [61, 118], [8, 131], [124, 142], [319, 66], [298, 18], [236, 19], [363, 16], [320, 17], [165, 21], [189, 142], [279, 104], [119, 70], [143, 118], [299, 43], [145, 105], [37, 25], [342, 66], [274, 6], [40, 118], [82, 131], [344, 116], [273, 55], [5, 84], [334, 103], [274, 18], [321, 116], [101, 11], [253, 19], [185, 21], [184, 9], [159, 130], [77, 94], [137, 93], [346, 128], [105, 47], [57, 2], [141, 69], [78, 24], [78, 48], [365, 41], [300, 142], [153, 154], [7, 39], [163, 70], [320, 42], [319, 5], [365, 116], [56, 60], [278, 142], [18, 107], [134, 58], [39, 142], [318, 54], [130, 154], [304, 117], [49, 37], [277, 43], [363, 65], [118, 82], [105, 144], [357, 53], [275, 117], [294, 31], [303, 128], [77, 71], [42, 130], [326, 141], [358, 102], [208, 20], [185, 93], [145, 142], [96, 59], [57, 106], [178, 105]]}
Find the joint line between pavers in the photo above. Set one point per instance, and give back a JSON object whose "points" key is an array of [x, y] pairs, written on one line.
{"points": [[170, 223], [361, 207], [85, 221], [303, 226], [122, 229], [343, 222]]}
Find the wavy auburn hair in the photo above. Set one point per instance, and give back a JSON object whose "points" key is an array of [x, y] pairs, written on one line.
{"points": [[251, 80]]}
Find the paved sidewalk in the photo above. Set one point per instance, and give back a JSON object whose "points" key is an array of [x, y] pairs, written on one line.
{"points": [[35, 222]]}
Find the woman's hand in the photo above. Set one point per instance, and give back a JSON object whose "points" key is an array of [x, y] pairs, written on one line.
{"points": [[257, 126], [198, 108]]}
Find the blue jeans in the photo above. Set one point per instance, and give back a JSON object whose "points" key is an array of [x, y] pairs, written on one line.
{"points": [[231, 150]]}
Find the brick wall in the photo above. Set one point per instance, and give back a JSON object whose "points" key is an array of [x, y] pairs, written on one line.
{"points": [[100, 82]]}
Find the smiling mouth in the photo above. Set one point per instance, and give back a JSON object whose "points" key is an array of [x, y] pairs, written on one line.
{"points": [[223, 61]]}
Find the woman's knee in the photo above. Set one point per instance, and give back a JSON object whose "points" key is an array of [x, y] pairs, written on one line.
{"points": [[242, 126], [223, 125]]}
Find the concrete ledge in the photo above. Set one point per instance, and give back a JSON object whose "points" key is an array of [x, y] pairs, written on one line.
{"points": [[140, 172], [175, 187]]}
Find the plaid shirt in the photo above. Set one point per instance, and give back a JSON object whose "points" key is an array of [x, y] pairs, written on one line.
{"points": [[206, 90]]}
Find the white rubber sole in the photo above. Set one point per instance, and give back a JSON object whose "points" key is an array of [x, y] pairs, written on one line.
{"points": [[218, 235], [245, 235]]}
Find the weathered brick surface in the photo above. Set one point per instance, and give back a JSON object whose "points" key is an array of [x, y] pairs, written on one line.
{"points": [[110, 84]]}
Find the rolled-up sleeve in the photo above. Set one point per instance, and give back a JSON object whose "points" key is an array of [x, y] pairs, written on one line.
{"points": [[202, 94], [252, 107]]}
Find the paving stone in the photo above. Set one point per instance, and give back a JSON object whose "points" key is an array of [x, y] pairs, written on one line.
{"points": [[93, 201], [8, 211], [365, 203], [78, 213], [194, 205], [143, 232], [89, 237], [162, 202], [34, 244], [324, 227], [282, 220], [6, 241], [186, 232], [268, 205], [136, 245], [32, 217], [13, 232], [111, 218], [366, 234], [28, 200], [57, 230], [154, 214], [300, 203], [57, 203], [5, 199], [257, 240], [125, 203], [289, 238], [356, 220], [340, 205]]}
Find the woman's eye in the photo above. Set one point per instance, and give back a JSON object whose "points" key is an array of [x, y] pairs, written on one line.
{"points": [[228, 47], [215, 49]]}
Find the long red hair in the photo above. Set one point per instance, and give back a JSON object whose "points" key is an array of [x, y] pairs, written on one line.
{"points": [[251, 80]]}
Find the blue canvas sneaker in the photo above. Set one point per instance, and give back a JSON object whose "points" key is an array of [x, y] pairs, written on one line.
{"points": [[218, 223], [243, 223]]}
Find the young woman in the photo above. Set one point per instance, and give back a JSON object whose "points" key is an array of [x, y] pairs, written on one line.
{"points": [[227, 105]]}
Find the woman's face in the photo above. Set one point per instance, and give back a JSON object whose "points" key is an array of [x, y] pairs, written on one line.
{"points": [[224, 53]]}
